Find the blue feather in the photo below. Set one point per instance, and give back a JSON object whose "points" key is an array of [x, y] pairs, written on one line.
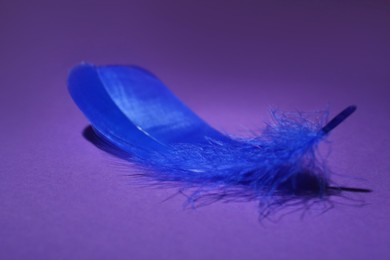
{"points": [[136, 117]]}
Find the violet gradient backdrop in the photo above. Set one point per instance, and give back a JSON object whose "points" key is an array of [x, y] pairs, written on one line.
{"points": [[61, 198]]}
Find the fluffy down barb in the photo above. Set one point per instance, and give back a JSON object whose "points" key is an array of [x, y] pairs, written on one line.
{"points": [[274, 161]]}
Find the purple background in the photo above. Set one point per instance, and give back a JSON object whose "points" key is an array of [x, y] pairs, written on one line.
{"points": [[61, 198]]}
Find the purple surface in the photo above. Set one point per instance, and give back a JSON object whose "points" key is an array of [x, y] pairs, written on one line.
{"points": [[61, 198]]}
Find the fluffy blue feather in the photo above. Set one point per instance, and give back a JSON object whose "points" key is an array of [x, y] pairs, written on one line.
{"points": [[138, 119]]}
